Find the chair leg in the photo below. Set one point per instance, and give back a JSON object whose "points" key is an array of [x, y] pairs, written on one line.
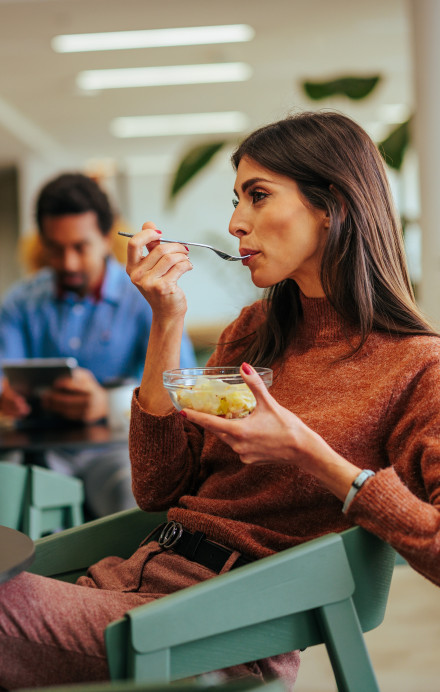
{"points": [[346, 648], [76, 516], [154, 667], [125, 662], [32, 523], [116, 637]]}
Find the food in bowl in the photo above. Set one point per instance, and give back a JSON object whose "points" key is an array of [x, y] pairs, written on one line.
{"points": [[214, 390], [217, 397]]}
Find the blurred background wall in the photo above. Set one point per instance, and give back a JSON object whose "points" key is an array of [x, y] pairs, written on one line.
{"points": [[364, 59]]}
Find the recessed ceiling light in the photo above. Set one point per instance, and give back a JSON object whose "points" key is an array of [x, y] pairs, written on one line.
{"points": [[163, 76], [153, 38], [178, 124]]}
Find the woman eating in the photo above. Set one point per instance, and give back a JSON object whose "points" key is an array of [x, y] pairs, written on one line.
{"points": [[349, 432]]}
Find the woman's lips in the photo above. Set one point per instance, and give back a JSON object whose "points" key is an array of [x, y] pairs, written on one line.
{"points": [[247, 251]]}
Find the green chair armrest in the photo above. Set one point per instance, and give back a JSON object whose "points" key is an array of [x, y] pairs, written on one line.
{"points": [[194, 685], [74, 550], [297, 579], [297, 598]]}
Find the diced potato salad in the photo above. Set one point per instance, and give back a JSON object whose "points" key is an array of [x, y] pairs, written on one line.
{"points": [[218, 397]]}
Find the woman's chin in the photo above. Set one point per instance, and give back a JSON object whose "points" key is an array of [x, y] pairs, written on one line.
{"points": [[263, 279], [259, 282]]}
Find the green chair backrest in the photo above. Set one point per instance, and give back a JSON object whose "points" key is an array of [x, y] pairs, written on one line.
{"points": [[372, 564], [13, 494], [39, 501]]}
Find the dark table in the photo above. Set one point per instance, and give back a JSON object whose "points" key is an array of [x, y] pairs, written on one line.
{"points": [[34, 441], [16, 553]]}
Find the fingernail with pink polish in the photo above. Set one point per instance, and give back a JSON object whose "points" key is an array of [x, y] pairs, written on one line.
{"points": [[246, 369], [182, 413]]}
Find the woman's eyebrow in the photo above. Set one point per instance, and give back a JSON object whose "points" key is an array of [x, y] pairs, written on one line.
{"points": [[250, 182]]}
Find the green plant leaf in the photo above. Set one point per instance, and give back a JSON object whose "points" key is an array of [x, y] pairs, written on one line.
{"points": [[353, 87], [192, 163], [394, 146]]}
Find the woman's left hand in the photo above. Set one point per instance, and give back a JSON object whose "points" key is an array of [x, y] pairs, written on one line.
{"points": [[272, 433], [269, 434]]}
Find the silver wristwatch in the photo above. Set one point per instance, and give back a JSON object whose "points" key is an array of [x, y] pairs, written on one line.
{"points": [[356, 486]]}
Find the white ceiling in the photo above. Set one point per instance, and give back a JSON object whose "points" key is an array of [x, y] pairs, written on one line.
{"points": [[43, 113]]}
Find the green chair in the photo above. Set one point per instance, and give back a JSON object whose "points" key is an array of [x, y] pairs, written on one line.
{"points": [[13, 494], [209, 685], [38, 501], [329, 590]]}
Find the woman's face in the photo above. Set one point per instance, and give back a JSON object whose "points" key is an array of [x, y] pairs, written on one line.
{"points": [[273, 222]]}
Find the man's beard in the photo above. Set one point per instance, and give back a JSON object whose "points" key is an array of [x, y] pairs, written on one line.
{"points": [[73, 281]]}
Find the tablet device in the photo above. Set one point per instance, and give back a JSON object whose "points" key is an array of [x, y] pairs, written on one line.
{"points": [[30, 377]]}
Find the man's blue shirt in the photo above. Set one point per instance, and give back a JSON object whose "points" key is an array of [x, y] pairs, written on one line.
{"points": [[107, 336]]}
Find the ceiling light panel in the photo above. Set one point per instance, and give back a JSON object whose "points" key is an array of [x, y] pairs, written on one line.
{"points": [[179, 124], [153, 38], [120, 78]]}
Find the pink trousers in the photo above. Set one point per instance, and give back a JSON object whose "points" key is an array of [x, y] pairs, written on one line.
{"points": [[52, 632]]}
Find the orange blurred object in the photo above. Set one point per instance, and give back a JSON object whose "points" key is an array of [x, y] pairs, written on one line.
{"points": [[32, 256]]}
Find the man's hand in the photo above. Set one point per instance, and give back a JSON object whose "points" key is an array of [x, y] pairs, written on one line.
{"points": [[13, 405], [79, 398]]}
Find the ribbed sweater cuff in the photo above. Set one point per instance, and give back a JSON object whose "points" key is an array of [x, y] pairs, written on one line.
{"points": [[161, 433], [386, 502]]}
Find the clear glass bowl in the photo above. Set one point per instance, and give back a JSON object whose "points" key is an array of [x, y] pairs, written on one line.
{"points": [[219, 391]]}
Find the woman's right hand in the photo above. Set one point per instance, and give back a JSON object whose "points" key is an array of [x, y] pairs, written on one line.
{"points": [[156, 274]]}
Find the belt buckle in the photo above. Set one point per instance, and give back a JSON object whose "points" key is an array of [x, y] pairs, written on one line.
{"points": [[170, 534]]}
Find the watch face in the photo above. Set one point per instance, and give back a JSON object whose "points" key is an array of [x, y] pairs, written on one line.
{"points": [[360, 480]]}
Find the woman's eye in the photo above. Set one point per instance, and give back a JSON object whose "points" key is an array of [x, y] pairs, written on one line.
{"points": [[257, 196], [235, 203]]}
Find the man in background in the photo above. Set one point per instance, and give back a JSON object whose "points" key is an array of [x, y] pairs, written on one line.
{"points": [[82, 305]]}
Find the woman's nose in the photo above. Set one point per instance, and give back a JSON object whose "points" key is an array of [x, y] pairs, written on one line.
{"points": [[237, 225]]}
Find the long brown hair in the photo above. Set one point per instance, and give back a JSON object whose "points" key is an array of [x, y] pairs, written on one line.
{"points": [[364, 275]]}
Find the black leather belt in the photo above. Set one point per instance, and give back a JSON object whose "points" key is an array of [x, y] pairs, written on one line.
{"points": [[194, 546]]}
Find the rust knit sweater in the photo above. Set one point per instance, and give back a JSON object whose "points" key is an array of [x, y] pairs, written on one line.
{"points": [[379, 409]]}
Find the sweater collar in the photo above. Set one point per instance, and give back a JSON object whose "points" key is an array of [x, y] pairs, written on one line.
{"points": [[321, 322]]}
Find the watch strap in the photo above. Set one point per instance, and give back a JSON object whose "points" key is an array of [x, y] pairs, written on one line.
{"points": [[356, 486]]}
